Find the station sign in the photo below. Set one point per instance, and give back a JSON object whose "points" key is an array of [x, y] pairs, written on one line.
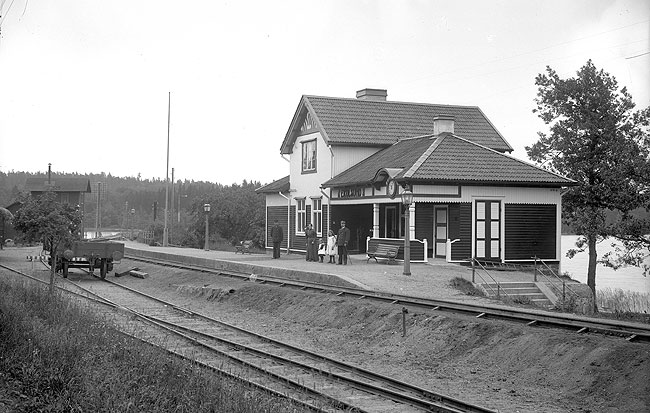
{"points": [[353, 192]]}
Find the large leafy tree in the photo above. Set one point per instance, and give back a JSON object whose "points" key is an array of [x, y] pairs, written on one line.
{"points": [[56, 224], [597, 139]]}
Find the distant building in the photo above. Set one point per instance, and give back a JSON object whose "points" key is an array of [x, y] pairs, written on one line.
{"points": [[68, 190], [350, 159]]}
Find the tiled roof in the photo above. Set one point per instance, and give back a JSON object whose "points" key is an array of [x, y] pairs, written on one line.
{"points": [[448, 159], [382, 123], [58, 184], [281, 185]]}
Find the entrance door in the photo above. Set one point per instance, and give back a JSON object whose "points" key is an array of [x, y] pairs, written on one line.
{"points": [[440, 231], [391, 223], [488, 230]]}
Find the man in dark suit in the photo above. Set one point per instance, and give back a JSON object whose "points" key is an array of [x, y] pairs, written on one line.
{"points": [[342, 243], [277, 235]]}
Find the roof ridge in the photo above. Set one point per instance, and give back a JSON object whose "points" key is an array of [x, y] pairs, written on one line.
{"points": [[392, 101], [425, 155]]}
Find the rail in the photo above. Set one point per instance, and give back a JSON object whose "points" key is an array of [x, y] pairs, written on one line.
{"points": [[551, 282], [474, 273]]}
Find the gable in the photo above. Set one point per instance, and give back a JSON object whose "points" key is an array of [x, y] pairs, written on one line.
{"points": [[304, 122]]}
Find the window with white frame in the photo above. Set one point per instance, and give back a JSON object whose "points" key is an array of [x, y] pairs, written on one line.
{"points": [[309, 156], [301, 215], [317, 215]]}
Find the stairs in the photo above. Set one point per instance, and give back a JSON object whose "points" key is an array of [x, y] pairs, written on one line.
{"points": [[523, 292]]}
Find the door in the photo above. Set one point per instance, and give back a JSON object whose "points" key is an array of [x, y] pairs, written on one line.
{"points": [[440, 231], [390, 224], [488, 230]]}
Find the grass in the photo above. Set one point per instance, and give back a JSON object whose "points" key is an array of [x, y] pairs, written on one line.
{"points": [[624, 305], [58, 356], [465, 286]]}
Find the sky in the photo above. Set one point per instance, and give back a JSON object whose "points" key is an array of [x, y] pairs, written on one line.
{"points": [[85, 85]]}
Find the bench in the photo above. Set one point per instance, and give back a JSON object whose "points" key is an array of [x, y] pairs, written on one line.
{"points": [[386, 251], [244, 247]]}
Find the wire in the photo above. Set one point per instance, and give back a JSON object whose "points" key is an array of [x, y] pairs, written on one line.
{"points": [[457, 69], [2, 18], [642, 54]]}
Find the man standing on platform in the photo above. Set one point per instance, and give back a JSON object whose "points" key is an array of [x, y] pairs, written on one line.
{"points": [[277, 235], [342, 243]]}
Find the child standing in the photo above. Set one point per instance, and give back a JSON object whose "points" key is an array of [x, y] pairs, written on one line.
{"points": [[331, 247]]}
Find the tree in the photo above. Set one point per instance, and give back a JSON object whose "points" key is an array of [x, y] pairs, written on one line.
{"points": [[597, 140], [44, 219]]}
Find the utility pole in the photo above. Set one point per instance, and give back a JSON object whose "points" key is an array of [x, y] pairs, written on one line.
{"points": [[165, 231], [98, 218], [171, 211]]}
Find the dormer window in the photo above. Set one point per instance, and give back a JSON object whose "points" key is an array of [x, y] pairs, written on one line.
{"points": [[309, 156]]}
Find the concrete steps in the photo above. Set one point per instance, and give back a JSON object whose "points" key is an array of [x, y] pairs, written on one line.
{"points": [[524, 291]]}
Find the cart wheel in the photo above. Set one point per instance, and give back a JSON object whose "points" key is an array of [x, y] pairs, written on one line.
{"points": [[103, 269]]}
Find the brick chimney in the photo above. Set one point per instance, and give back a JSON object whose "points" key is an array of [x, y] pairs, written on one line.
{"points": [[372, 94], [443, 123]]}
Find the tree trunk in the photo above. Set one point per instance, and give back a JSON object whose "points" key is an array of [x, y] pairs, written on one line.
{"points": [[52, 271], [591, 269]]}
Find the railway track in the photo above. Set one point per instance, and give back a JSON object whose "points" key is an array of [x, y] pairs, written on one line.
{"points": [[580, 325], [311, 379]]}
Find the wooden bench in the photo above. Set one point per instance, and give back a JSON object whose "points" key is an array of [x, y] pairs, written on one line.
{"points": [[244, 247], [386, 251]]}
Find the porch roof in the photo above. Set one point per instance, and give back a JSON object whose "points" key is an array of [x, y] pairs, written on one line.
{"points": [[445, 159], [280, 185]]}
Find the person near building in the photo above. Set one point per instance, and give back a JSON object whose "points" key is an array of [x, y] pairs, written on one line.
{"points": [[277, 236], [312, 245], [322, 249], [331, 247], [342, 240]]}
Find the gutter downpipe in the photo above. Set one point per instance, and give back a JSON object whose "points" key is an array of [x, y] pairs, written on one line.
{"points": [[329, 205], [288, 220], [329, 210], [288, 210]]}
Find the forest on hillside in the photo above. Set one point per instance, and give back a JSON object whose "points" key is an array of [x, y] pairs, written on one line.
{"points": [[132, 203]]}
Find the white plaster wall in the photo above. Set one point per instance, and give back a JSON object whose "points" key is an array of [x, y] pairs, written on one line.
{"points": [[468, 194], [347, 156], [308, 185], [275, 200], [505, 194]]}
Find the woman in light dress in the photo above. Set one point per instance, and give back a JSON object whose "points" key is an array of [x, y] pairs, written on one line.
{"points": [[331, 246]]}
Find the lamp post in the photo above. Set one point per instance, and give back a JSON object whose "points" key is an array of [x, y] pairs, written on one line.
{"points": [[407, 198], [132, 216], [206, 209]]}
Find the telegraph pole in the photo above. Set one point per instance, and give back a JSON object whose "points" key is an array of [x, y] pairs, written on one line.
{"points": [[165, 231], [171, 211]]}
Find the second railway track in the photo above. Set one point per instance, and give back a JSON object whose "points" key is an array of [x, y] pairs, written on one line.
{"points": [[307, 377]]}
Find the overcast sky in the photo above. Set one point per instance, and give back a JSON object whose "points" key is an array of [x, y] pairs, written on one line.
{"points": [[84, 84]]}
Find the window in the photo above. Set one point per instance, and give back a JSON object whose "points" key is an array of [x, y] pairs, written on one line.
{"points": [[301, 215], [317, 215], [309, 156]]}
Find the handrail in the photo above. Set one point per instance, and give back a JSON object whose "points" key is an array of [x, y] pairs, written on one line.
{"points": [[564, 286], [498, 291]]}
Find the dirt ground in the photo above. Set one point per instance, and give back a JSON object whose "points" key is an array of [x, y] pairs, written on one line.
{"points": [[500, 365]]}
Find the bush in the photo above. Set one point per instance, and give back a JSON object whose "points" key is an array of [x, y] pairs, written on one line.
{"points": [[466, 287]]}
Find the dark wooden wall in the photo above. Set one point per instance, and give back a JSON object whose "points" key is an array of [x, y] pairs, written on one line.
{"points": [[530, 230]]}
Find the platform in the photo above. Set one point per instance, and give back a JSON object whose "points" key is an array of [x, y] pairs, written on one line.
{"points": [[427, 280]]}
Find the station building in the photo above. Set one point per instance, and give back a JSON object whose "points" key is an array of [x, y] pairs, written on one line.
{"points": [[350, 159]]}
